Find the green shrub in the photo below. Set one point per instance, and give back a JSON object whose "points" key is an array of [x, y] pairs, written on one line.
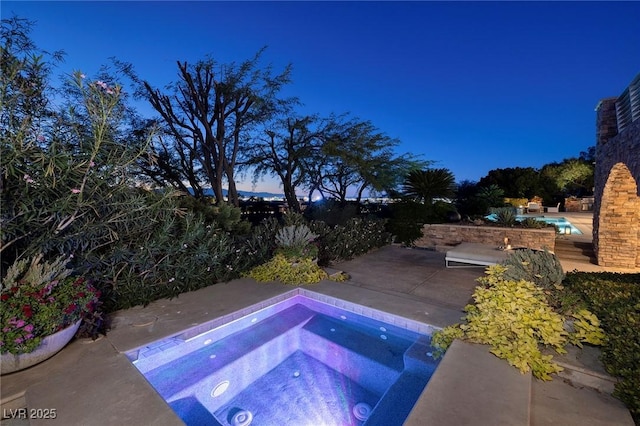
{"points": [[615, 299], [178, 254], [356, 237], [540, 267], [407, 219], [260, 244], [514, 318], [226, 216], [292, 218]]}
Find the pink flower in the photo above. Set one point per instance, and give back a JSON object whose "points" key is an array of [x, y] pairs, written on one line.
{"points": [[83, 76], [41, 138], [109, 92], [19, 340], [75, 191], [28, 328], [28, 178], [20, 323], [91, 164]]}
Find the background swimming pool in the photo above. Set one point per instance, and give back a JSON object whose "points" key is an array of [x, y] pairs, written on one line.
{"points": [[299, 361], [561, 222]]}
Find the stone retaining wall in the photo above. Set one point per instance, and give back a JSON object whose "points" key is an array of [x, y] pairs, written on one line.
{"points": [[438, 235]]}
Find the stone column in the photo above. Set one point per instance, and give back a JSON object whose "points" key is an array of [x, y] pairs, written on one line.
{"points": [[606, 128]]}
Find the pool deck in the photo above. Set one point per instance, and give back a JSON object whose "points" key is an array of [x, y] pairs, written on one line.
{"points": [[92, 382]]}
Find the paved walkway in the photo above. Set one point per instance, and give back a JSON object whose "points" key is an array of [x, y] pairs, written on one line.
{"points": [[92, 382]]}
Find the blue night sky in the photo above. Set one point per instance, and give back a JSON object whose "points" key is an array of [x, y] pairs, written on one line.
{"points": [[473, 86]]}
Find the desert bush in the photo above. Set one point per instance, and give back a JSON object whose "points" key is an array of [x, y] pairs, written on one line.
{"points": [[505, 216], [225, 215], [530, 222], [292, 218], [296, 241], [358, 236], [538, 266], [178, 254]]}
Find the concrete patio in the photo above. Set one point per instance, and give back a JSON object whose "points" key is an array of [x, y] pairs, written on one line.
{"points": [[92, 382]]}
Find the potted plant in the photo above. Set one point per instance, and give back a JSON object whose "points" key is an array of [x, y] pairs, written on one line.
{"points": [[43, 305]]}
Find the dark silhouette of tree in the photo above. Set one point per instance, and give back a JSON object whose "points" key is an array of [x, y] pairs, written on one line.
{"points": [[425, 185], [332, 156], [358, 157], [207, 116], [466, 202], [589, 155], [286, 151], [516, 182]]}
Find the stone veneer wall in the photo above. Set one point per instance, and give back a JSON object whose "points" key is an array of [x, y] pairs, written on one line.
{"points": [[438, 235], [616, 219]]}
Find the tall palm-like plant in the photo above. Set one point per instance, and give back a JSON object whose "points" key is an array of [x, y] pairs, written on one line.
{"points": [[425, 185], [493, 195]]}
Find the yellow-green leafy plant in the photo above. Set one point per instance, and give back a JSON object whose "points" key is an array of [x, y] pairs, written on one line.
{"points": [[280, 268], [442, 339], [585, 328], [515, 319]]}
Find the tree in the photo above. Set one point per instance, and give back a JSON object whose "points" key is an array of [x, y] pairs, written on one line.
{"points": [[207, 116], [572, 176], [521, 182], [588, 156], [425, 185], [66, 172], [25, 106], [466, 200], [285, 150], [357, 156]]}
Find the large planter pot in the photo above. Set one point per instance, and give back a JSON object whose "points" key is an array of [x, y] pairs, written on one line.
{"points": [[49, 346]]}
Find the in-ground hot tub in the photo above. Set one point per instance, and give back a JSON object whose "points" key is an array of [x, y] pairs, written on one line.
{"points": [[301, 358]]}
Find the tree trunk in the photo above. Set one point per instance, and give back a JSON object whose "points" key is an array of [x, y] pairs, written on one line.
{"points": [[232, 193], [290, 196]]}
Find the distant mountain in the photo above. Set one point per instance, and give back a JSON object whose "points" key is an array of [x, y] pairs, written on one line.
{"points": [[248, 194]]}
